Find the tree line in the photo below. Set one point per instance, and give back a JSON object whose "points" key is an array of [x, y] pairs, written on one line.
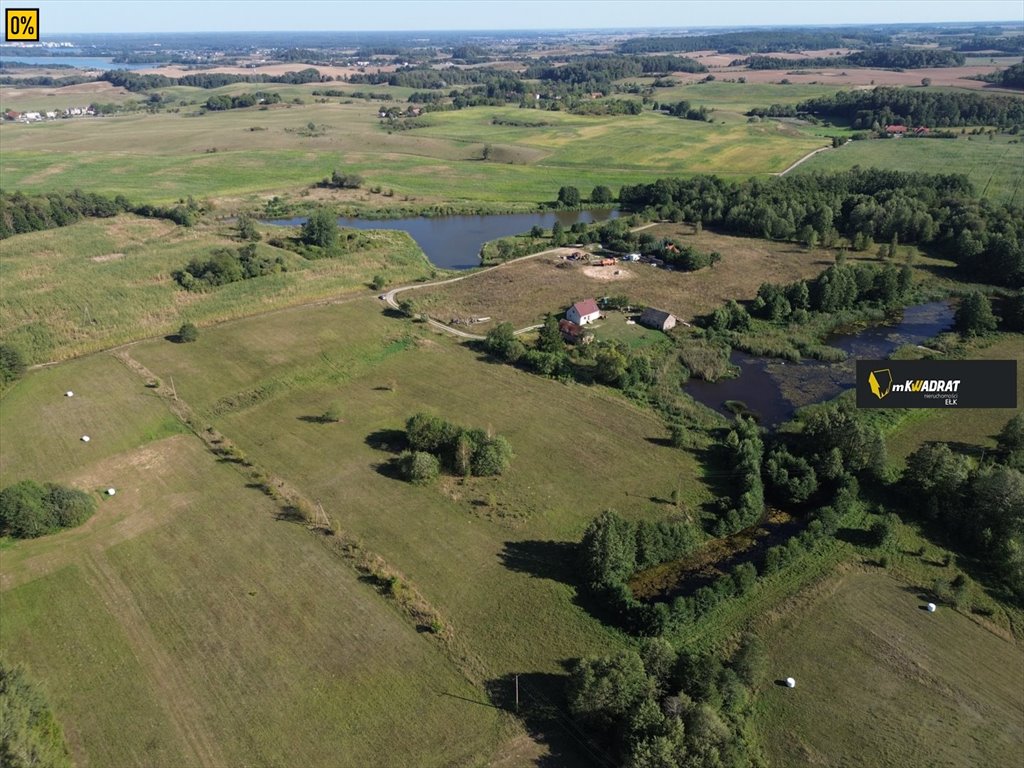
{"points": [[20, 213], [940, 211], [874, 58], [134, 81], [242, 100], [906, 106], [583, 70], [755, 41], [1011, 77]]}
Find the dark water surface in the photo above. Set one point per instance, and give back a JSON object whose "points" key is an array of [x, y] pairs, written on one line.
{"points": [[774, 389], [454, 242]]}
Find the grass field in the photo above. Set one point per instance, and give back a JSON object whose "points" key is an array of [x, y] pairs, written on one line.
{"points": [[995, 167], [187, 620], [103, 282], [164, 156], [491, 554], [522, 292], [897, 686]]}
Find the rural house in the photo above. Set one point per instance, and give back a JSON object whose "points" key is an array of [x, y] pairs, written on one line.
{"points": [[658, 319], [583, 312], [573, 333], [895, 130]]}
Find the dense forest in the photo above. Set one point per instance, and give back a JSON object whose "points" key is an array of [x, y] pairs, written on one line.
{"points": [[757, 41], [1011, 44], [866, 205], [907, 106], [878, 58]]}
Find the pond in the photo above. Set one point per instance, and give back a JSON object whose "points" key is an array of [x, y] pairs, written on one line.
{"points": [[773, 389], [454, 242]]}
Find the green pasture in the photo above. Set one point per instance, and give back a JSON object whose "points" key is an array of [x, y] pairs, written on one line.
{"points": [[995, 166], [166, 156], [493, 555]]}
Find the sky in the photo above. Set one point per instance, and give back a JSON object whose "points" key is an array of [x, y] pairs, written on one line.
{"points": [[69, 16]]}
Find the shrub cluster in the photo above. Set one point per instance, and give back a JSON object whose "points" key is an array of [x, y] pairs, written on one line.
{"points": [[226, 266], [29, 509], [436, 443]]}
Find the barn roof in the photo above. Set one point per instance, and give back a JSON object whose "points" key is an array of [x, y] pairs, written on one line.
{"points": [[654, 316]]}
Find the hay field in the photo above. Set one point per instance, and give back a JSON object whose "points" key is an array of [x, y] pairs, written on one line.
{"points": [[882, 682], [184, 624]]}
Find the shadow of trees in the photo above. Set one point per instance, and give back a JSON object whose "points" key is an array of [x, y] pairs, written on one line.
{"points": [[544, 712]]}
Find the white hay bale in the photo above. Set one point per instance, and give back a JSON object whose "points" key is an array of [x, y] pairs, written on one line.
{"points": [[85, 438], [931, 607], [111, 491], [69, 393], [790, 682]]}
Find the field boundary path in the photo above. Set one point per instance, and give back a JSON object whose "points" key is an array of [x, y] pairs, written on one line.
{"points": [[806, 157]]}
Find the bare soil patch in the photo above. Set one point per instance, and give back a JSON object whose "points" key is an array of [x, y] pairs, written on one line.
{"points": [[608, 273], [107, 257]]}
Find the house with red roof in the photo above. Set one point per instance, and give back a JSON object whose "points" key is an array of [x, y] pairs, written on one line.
{"points": [[583, 312]]}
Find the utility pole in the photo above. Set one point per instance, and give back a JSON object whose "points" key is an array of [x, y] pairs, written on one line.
{"points": [[517, 693], [173, 390]]}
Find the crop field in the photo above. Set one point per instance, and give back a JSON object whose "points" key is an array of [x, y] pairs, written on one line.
{"points": [[522, 292], [164, 156], [493, 555], [976, 433], [995, 167], [898, 686], [184, 592], [102, 282]]}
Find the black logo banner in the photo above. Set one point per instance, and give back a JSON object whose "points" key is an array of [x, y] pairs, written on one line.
{"points": [[936, 383]]}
